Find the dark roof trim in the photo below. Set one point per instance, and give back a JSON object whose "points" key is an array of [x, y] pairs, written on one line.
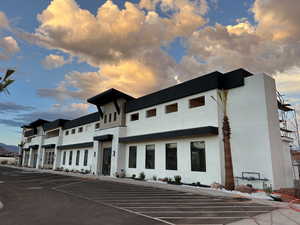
{"points": [[26, 149], [34, 146], [107, 137], [36, 123], [79, 145], [200, 131], [108, 96], [30, 133], [211, 81], [49, 146], [90, 118], [54, 124]]}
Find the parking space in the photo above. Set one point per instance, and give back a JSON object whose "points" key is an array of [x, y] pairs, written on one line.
{"points": [[154, 204], [170, 207]]}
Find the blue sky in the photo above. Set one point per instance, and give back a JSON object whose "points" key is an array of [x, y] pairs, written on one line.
{"points": [[45, 91]]}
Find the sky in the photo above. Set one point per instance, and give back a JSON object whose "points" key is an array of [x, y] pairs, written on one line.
{"points": [[65, 51]]}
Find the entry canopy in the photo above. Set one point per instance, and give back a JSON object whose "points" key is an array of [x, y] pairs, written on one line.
{"points": [[108, 96]]}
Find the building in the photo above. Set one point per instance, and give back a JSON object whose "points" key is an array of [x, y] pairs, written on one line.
{"points": [[175, 131]]}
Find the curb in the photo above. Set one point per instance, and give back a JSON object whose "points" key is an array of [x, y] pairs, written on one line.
{"points": [[1, 205]]}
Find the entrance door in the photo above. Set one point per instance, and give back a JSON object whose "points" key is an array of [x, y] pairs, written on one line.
{"points": [[106, 161]]}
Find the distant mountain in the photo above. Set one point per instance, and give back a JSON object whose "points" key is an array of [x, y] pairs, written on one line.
{"points": [[9, 148]]}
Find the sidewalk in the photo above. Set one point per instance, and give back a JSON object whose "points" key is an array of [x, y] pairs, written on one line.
{"points": [[284, 215]]}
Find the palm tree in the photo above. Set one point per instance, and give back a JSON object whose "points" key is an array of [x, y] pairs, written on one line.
{"points": [[5, 81], [226, 131]]}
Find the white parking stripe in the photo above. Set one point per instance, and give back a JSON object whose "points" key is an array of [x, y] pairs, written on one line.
{"points": [[189, 207], [191, 212], [177, 203], [207, 217]]}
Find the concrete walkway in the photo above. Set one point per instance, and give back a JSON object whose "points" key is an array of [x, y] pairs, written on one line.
{"points": [[284, 215]]}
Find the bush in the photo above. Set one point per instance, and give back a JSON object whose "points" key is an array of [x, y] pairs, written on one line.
{"points": [[142, 176], [122, 174], [154, 178], [66, 170], [4, 162], [133, 176], [177, 179]]}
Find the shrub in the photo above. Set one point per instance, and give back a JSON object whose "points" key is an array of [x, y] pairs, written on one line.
{"points": [[122, 174], [154, 178], [133, 176], [66, 170], [198, 183], [142, 176], [177, 179], [117, 174], [4, 162], [166, 179]]}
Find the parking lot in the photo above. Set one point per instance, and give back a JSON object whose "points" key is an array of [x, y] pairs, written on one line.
{"points": [[43, 198]]}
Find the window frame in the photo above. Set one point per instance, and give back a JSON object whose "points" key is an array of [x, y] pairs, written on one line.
{"points": [[200, 98], [97, 126], [115, 116], [73, 131], [131, 163], [77, 157], [80, 129], [66, 132], [148, 115], [70, 158], [169, 110], [149, 149], [132, 116], [85, 158], [201, 159], [109, 118], [168, 164], [105, 118]]}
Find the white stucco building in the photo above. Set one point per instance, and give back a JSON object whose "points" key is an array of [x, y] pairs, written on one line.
{"points": [[175, 131]]}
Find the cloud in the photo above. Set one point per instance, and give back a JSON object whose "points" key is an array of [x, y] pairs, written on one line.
{"points": [[289, 82], [54, 61], [4, 23], [9, 47], [6, 107], [57, 111]]}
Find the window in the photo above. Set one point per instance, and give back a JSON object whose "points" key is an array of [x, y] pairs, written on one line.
{"points": [[132, 157], [151, 113], [67, 133], [171, 156], [70, 157], [77, 157], [109, 118], [115, 116], [198, 156], [64, 158], [73, 131], [85, 160], [196, 102], [105, 118], [150, 156], [80, 129], [97, 125], [134, 117], [172, 108]]}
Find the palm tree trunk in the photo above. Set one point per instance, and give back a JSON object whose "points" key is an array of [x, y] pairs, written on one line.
{"points": [[229, 180]]}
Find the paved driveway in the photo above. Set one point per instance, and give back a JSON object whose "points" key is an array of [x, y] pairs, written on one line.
{"points": [[41, 198]]}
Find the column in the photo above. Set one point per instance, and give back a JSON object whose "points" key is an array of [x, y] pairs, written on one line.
{"points": [[39, 156], [30, 160]]}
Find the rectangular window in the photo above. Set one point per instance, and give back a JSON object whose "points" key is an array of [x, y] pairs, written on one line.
{"points": [[150, 156], [109, 118], [198, 156], [67, 133], [115, 116], [196, 102], [73, 131], [172, 108], [105, 118], [171, 156], [132, 157], [97, 125], [70, 157], [134, 117], [85, 160], [64, 158], [77, 157], [151, 113], [80, 129]]}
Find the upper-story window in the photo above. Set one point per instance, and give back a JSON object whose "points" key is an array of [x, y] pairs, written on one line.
{"points": [[80, 129], [73, 131], [115, 116], [67, 133], [172, 108], [97, 125], [134, 116], [105, 118], [109, 118], [196, 102], [151, 113]]}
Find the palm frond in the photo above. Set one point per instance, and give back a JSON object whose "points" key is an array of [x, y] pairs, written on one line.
{"points": [[9, 72]]}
